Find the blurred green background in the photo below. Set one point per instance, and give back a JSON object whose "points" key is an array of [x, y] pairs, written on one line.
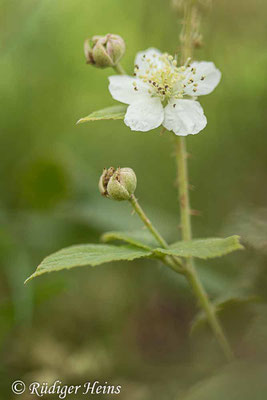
{"points": [[128, 323]]}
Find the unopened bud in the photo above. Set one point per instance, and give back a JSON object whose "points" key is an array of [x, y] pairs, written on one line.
{"points": [[117, 184], [104, 51]]}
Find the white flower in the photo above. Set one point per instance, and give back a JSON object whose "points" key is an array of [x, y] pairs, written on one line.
{"points": [[162, 93]]}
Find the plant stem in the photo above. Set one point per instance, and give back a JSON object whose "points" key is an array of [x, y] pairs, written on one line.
{"points": [[182, 181], [186, 50], [138, 209], [204, 302], [119, 69], [173, 262], [191, 273]]}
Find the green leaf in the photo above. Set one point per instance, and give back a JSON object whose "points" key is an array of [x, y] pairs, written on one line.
{"points": [[87, 254], [114, 112], [138, 238], [203, 248]]}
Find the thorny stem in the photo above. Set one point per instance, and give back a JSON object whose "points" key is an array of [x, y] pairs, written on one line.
{"points": [[119, 69], [182, 180], [186, 37], [173, 262], [204, 302]]}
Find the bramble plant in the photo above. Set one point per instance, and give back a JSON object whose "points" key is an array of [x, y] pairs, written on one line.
{"points": [[162, 91]]}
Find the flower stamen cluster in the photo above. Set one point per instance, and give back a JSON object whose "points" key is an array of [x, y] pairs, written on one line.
{"points": [[168, 82], [162, 81]]}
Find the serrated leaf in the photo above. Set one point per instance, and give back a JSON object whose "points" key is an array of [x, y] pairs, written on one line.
{"points": [[139, 238], [87, 255], [114, 112], [203, 248], [220, 306]]}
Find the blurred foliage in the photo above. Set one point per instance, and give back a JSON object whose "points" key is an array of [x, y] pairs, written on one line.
{"points": [[127, 323]]}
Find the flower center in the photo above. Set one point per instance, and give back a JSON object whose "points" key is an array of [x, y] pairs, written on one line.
{"points": [[165, 80], [163, 76]]}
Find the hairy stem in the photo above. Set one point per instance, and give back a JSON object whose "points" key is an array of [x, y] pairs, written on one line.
{"points": [[182, 183], [173, 262], [205, 304], [186, 34], [138, 209], [119, 69]]}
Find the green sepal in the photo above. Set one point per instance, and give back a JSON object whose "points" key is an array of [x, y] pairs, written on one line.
{"points": [[109, 113]]}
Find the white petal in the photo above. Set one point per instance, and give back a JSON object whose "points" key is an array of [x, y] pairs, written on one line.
{"points": [[184, 117], [206, 70], [143, 60], [122, 89], [144, 114]]}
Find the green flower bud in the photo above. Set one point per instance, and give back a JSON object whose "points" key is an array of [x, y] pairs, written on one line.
{"points": [[117, 184], [104, 51]]}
